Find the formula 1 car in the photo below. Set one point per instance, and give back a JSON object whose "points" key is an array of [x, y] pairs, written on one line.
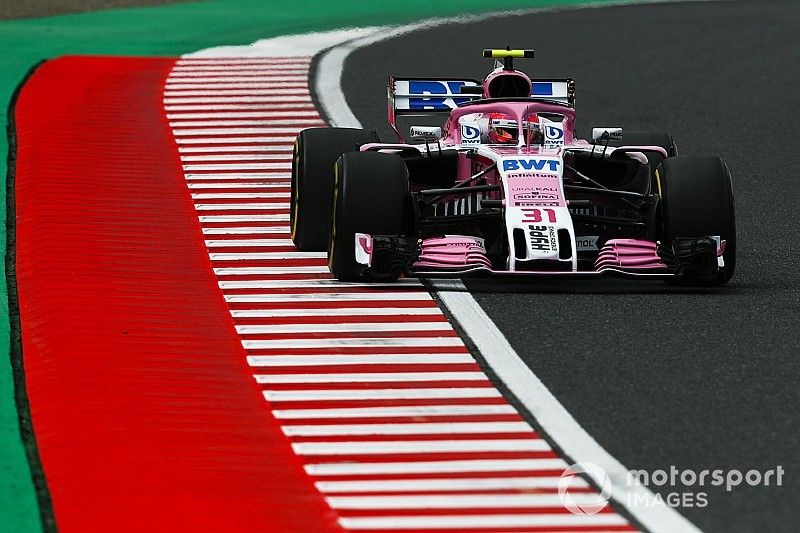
{"points": [[506, 188]]}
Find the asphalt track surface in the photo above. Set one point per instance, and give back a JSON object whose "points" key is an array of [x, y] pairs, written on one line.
{"points": [[661, 376]]}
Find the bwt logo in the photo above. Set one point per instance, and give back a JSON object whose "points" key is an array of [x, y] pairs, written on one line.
{"points": [[554, 134], [531, 164], [470, 132]]}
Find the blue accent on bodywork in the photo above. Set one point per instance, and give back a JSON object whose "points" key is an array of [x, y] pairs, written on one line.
{"points": [[542, 88]]}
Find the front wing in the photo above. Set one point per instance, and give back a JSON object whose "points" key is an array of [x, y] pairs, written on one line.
{"points": [[461, 256]]}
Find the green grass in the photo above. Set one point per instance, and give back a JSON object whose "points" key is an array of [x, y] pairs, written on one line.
{"points": [[165, 30]]}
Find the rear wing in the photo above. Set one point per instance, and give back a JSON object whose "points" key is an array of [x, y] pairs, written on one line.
{"points": [[422, 96], [557, 89]]}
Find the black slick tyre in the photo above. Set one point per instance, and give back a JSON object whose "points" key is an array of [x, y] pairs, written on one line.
{"points": [[371, 195], [316, 150], [697, 202]]}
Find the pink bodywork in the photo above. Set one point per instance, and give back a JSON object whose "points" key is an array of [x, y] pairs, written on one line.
{"points": [[516, 110], [454, 252], [457, 254], [464, 254], [629, 254], [503, 73]]}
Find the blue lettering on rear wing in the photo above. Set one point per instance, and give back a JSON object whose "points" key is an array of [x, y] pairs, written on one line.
{"points": [[420, 96], [425, 95]]}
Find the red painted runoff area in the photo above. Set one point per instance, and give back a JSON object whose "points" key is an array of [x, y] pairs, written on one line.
{"points": [[146, 415]]}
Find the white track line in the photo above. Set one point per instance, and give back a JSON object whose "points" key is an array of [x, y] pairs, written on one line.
{"points": [[237, 140], [350, 311], [456, 501], [300, 64], [307, 283], [238, 157], [435, 428], [230, 102], [342, 327], [247, 230], [434, 467], [239, 196], [412, 411], [242, 207], [370, 377], [359, 359], [210, 71], [205, 78], [271, 206], [463, 522], [291, 115], [444, 484], [285, 150], [275, 184], [369, 342], [234, 131], [250, 271], [174, 88], [255, 243], [556, 421], [270, 106], [192, 60], [271, 177], [247, 218], [322, 296], [379, 394], [198, 59], [226, 123], [387, 447], [281, 165], [236, 96], [239, 102], [257, 256]]}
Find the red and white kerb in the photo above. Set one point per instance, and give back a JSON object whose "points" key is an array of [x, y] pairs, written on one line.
{"points": [[393, 419]]}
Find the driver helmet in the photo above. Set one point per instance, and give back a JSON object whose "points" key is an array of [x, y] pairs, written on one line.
{"points": [[502, 129], [532, 129]]}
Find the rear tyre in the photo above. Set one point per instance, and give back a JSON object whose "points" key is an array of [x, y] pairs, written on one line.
{"points": [[315, 153], [697, 202], [371, 195]]}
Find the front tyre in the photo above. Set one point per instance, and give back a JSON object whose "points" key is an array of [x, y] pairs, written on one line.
{"points": [[371, 195], [315, 153], [697, 202]]}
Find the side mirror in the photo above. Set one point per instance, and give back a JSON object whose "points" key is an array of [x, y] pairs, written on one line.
{"points": [[425, 133], [601, 134]]}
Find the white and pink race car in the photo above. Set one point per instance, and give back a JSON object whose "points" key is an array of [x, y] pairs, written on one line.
{"points": [[506, 188]]}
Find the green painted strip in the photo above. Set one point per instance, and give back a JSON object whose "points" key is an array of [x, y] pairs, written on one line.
{"points": [[165, 30]]}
